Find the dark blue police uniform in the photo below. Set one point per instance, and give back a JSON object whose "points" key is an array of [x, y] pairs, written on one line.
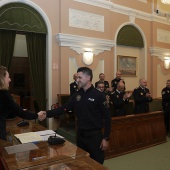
{"points": [[141, 101], [92, 114], [166, 106]]}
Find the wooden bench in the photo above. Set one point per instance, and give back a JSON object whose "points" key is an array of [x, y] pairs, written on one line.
{"points": [[135, 132]]}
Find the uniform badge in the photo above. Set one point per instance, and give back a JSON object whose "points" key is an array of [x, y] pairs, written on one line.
{"points": [[115, 82], [168, 91], [78, 97], [74, 86], [141, 94], [117, 96], [163, 92]]}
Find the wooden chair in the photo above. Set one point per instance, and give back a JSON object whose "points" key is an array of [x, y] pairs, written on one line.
{"points": [[68, 116]]}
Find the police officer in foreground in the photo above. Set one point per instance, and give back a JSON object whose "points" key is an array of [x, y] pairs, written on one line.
{"points": [[119, 98], [92, 115], [166, 104], [142, 97]]}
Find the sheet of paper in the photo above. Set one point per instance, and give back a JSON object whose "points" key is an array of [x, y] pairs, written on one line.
{"points": [[45, 137], [45, 132], [28, 137], [21, 148]]}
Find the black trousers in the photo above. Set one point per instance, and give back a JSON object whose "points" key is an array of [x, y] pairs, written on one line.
{"points": [[90, 142], [166, 120]]}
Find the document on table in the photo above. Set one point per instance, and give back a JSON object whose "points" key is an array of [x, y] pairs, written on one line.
{"points": [[36, 136], [28, 137]]}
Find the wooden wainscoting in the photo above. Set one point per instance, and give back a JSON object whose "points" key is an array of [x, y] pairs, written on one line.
{"points": [[135, 132]]}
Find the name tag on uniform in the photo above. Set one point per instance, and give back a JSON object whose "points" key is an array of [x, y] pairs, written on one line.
{"points": [[91, 99]]}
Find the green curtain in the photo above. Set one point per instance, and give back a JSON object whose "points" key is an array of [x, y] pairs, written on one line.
{"points": [[36, 46], [7, 41]]}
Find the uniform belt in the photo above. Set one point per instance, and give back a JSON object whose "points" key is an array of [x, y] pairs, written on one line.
{"points": [[89, 132]]}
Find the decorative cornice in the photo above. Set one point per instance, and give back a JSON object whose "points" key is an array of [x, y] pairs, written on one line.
{"points": [[126, 11], [81, 43], [162, 53], [99, 3]]}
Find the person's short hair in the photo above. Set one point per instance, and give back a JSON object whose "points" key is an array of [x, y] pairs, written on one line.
{"points": [[87, 71], [101, 74], [3, 71], [168, 80], [98, 83]]}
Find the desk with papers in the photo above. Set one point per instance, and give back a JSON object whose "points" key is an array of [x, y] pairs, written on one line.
{"points": [[43, 155]]}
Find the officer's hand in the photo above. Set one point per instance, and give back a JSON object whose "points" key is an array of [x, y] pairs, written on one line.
{"points": [[104, 145], [148, 95]]}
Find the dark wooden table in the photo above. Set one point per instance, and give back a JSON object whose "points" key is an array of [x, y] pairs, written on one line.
{"points": [[80, 163], [44, 154]]}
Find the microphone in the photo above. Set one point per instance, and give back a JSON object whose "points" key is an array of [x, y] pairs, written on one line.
{"points": [[54, 140]]}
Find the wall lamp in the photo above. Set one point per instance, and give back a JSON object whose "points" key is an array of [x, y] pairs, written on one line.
{"points": [[88, 57], [167, 63], [165, 1]]}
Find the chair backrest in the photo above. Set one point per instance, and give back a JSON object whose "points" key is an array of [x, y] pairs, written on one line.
{"points": [[36, 106], [129, 107], [155, 105], [62, 98]]}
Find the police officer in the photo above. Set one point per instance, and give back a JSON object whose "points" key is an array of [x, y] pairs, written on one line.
{"points": [[116, 80], [166, 104], [102, 79], [119, 98], [142, 97], [74, 85], [92, 114]]}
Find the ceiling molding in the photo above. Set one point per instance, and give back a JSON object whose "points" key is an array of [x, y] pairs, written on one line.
{"points": [[99, 3], [162, 53], [81, 43], [126, 11]]}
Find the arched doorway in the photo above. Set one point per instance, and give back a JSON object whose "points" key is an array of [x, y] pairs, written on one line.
{"points": [[131, 43], [29, 8], [39, 17]]}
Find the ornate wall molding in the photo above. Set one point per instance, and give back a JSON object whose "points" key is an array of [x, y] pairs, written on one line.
{"points": [[99, 3], [86, 20], [162, 53], [81, 43], [163, 36], [145, 1], [126, 11]]}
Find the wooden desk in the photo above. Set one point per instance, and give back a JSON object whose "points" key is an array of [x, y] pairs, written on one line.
{"points": [[45, 154], [80, 163], [132, 133]]}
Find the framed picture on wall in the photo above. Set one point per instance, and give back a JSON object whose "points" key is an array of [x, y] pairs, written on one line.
{"points": [[127, 65]]}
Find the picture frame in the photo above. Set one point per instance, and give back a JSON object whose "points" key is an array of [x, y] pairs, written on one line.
{"points": [[127, 65]]}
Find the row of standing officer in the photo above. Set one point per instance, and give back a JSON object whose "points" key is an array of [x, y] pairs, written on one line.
{"points": [[141, 96], [118, 96]]}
